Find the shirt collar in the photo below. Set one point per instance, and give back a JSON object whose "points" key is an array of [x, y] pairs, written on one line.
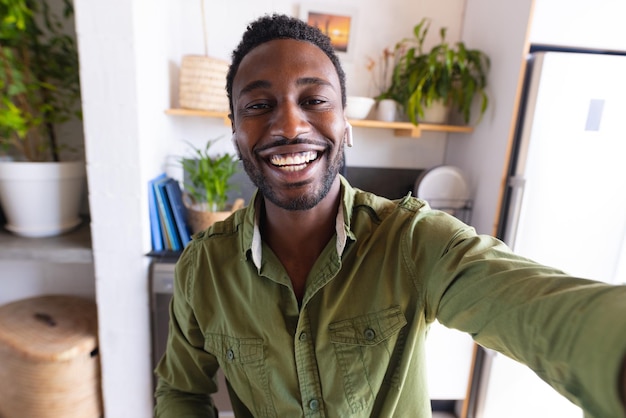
{"points": [[253, 243]]}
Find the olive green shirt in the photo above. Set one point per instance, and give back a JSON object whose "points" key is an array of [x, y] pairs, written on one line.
{"points": [[354, 347]]}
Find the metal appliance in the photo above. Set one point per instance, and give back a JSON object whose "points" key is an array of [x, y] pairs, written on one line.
{"points": [[161, 288]]}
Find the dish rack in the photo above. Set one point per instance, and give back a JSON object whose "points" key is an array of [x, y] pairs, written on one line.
{"points": [[460, 209]]}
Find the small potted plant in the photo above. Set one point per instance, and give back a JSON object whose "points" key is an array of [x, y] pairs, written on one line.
{"points": [[39, 90], [207, 181], [453, 76], [381, 70]]}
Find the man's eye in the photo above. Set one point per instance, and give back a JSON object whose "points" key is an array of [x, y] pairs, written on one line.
{"points": [[314, 102], [258, 106]]}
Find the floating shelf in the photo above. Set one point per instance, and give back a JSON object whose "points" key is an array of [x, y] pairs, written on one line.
{"points": [[399, 128]]}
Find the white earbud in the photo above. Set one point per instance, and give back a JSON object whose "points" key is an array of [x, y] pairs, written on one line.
{"points": [[349, 138]]}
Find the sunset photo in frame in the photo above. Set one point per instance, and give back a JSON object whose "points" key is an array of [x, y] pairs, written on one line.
{"points": [[338, 24]]}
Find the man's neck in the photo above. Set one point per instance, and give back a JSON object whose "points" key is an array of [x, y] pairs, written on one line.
{"points": [[301, 228], [299, 237]]}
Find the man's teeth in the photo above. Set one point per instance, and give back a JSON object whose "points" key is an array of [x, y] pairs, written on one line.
{"points": [[293, 162]]}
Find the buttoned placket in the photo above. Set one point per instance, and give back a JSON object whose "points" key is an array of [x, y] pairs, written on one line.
{"points": [[304, 343], [307, 369]]}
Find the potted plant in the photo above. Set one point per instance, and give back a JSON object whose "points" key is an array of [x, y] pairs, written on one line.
{"points": [[207, 181], [452, 75], [39, 90], [381, 70]]}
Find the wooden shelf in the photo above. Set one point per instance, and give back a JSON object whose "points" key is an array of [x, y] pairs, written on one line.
{"points": [[408, 129], [399, 128]]}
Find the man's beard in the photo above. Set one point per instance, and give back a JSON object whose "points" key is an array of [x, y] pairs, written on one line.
{"points": [[305, 201]]}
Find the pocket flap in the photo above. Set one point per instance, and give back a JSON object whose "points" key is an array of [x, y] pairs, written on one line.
{"points": [[370, 329], [231, 349]]}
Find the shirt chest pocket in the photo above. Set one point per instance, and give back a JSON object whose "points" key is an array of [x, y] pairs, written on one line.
{"points": [[243, 363], [366, 349], [234, 350]]}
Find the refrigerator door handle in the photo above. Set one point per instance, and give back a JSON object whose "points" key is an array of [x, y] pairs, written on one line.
{"points": [[516, 184]]}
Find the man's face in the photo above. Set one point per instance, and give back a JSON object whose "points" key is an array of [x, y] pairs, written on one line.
{"points": [[288, 122]]}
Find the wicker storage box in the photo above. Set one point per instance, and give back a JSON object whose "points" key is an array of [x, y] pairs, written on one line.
{"points": [[49, 363], [203, 83]]}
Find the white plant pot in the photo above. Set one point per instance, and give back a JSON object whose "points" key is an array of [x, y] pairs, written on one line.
{"points": [[386, 110], [437, 112], [41, 199]]}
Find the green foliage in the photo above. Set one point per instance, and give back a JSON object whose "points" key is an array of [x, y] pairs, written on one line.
{"points": [[453, 75], [208, 177], [39, 78]]}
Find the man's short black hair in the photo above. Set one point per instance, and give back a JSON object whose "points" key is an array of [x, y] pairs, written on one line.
{"points": [[277, 26]]}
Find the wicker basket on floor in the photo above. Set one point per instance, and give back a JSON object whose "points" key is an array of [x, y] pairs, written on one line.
{"points": [[49, 354], [203, 83]]}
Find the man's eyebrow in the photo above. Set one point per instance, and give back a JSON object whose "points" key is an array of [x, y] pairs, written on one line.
{"points": [[257, 84], [313, 80], [264, 84]]}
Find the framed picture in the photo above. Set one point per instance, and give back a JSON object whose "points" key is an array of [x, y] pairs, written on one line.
{"points": [[336, 22]]}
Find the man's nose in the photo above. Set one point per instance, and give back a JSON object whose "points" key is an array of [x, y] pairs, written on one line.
{"points": [[290, 121]]}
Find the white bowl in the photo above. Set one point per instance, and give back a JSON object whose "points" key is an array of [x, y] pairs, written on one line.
{"points": [[358, 107]]}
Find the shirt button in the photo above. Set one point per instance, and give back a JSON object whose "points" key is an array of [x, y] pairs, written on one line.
{"points": [[230, 354], [303, 336], [314, 404], [369, 334]]}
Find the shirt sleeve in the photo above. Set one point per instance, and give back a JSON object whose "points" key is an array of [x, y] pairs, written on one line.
{"points": [[569, 330], [186, 372]]}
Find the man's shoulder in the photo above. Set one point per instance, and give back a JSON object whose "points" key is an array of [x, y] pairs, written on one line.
{"points": [[385, 206], [361, 198], [220, 231]]}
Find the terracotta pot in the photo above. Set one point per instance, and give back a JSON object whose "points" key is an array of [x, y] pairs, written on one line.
{"points": [[200, 218]]}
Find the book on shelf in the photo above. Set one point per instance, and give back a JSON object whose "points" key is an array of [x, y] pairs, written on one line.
{"points": [[179, 211], [167, 216], [156, 234], [169, 224]]}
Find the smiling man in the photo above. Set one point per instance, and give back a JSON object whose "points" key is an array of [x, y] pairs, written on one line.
{"points": [[289, 129], [316, 299]]}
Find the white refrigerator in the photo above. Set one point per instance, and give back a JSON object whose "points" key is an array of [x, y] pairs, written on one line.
{"points": [[565, 203]]}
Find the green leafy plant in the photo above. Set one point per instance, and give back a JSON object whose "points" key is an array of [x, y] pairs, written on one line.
{"points": [[207, 178], [453, 74], [39, 78]]}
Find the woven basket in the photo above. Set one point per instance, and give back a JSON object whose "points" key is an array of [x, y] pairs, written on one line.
{"points": [[48, 353], [203, 83]]}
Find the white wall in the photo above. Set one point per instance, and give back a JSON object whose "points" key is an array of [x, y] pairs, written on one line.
{"points": [[499, 29], [583, 24], [20, 279], [121, 148]]}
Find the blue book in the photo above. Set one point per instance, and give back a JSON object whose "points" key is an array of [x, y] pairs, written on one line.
{"points": [[175, 196], [165, 209], [156, 234]]}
